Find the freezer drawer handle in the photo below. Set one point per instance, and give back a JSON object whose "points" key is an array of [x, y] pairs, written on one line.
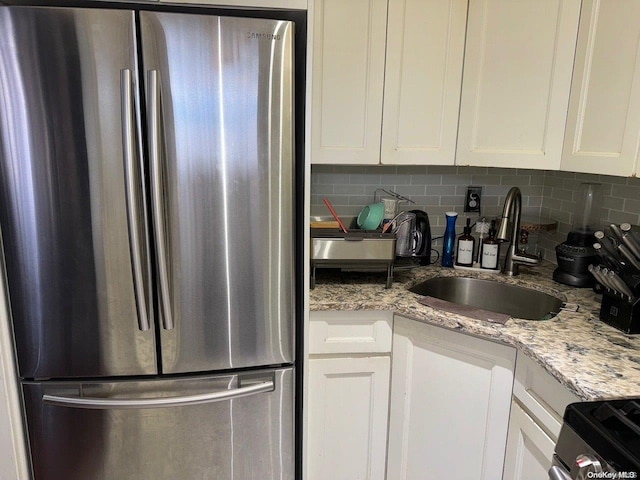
{"points": [[133, 207], [157, 194], [111, 403]]}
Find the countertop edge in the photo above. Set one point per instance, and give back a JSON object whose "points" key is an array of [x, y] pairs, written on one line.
{"points": [[584, 367]]}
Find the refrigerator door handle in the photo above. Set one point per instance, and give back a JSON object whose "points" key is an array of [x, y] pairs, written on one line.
{"points": [[157, 194], [131, 183], [140, 403]]}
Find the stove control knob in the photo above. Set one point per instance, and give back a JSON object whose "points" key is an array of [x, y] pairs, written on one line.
{"points": [[587, 464]]}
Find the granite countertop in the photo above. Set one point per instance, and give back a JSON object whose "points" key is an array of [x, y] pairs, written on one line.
{"points": [[591, 358]]}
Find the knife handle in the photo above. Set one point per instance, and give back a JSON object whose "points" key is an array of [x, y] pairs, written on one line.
{"points": [[629, 256], [617, 233], [630, 240]]}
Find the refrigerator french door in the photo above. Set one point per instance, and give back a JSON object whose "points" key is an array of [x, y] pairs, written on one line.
{"points": [[146, 190]]}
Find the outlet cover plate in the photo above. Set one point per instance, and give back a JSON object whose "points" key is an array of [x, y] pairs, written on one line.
{"points": [[472, 200]]}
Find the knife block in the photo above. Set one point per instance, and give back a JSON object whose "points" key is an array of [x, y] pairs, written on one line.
{"points": [[620, 313]]}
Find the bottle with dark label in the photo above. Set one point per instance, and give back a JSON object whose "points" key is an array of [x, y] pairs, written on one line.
{"points": [[466, 246], [491, 249]]}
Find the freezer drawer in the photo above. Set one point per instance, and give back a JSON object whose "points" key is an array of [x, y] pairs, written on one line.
{"points": [[164, 429]]}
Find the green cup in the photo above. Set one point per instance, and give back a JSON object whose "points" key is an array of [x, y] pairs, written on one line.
{"points": [[371, 216]]}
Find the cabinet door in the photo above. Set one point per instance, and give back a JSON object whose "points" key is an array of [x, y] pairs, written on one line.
{"points": [[517, 76], [544, 397], [347, 80], [450, 400], [603, 127], [529, 448], [348, 411], [423, 76]]}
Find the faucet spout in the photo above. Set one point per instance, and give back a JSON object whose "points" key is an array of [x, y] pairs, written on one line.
{"points": [[511, 213]]}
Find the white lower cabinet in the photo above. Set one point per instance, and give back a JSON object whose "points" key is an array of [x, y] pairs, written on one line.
{"points": [[347, 401], [539, 401], [450, 402], [348, 408], [390, 398], [529, 448]]}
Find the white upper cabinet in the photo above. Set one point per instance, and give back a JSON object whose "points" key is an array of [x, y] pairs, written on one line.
{"points": [[425, 52], [603, 127], [419, 85], [517, 77], [348, 75]]}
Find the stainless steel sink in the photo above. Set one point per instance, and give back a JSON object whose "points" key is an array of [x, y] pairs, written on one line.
{"points": [[519, 302]]}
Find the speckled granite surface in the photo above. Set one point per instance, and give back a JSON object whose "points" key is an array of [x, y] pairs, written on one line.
{"points": [[592, 359]]}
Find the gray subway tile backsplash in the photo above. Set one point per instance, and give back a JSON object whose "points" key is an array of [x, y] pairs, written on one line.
{"points": [[438, 189]]}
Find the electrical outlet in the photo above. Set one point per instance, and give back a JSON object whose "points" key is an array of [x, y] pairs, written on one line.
{"points": [[472, 199]]}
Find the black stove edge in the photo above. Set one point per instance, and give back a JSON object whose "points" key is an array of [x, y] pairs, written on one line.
{"points": [[581, 432]]}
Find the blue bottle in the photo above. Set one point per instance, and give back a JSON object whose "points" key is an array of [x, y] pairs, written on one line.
{"points": [[449, 242]]}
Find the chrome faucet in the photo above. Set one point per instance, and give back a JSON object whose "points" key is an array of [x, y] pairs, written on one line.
{"points": [[511, 213]]}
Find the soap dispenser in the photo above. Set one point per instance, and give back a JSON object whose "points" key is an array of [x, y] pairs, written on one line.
{"points": [[490, 249], [466, 247]]}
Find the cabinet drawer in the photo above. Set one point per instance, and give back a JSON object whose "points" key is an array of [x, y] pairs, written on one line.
{"points": [[350, 332], [541, 394]]}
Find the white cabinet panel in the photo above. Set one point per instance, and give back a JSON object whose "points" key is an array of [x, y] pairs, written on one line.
{"points": [[517, 75], [411, 56], [603, 126], [350, 332], [535, 422], [450, 401], [13, 449], [348, 411], [348, 73], [529, 448], [541, 394], [423, 76]]}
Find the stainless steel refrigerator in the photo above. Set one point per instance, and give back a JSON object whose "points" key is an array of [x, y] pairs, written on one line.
{"points": [[146, 206]]}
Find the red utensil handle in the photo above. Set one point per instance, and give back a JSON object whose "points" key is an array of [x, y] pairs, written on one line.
{"points": [[334, 214]]}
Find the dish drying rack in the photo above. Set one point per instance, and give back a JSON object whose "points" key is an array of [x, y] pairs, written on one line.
{"points": [[391, 193]]}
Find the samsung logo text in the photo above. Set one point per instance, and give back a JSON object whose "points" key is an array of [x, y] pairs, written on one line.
{"points": [[264, 36]]}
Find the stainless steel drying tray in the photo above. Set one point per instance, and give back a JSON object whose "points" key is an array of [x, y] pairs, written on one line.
{"points": [[354, 250]]}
